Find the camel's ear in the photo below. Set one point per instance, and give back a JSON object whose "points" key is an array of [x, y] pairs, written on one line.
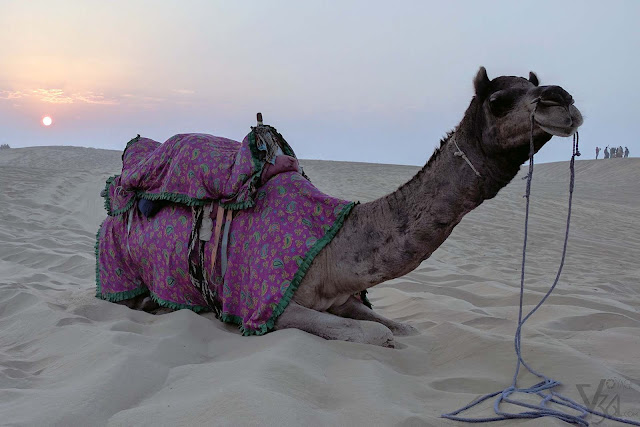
{"points": [[481, 82], [533, 78]]}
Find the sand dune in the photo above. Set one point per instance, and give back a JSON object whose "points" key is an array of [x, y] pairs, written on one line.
{"points": [[68, 359]]}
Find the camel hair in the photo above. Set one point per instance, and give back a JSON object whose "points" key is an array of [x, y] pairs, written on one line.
{"points": [[389, 237]]}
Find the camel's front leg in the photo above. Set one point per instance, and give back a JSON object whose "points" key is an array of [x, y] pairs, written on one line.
{"points": [[332, 327], [354, 309]]}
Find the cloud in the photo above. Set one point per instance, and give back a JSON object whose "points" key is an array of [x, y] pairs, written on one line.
{"points": [[11, 94], [58, 96], [93, 98], [53, 96]]}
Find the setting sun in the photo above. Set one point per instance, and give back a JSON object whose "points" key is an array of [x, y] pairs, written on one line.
{"points": [[47, 121]]}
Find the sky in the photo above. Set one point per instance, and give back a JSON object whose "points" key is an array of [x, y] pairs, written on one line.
{"points": [[369, 81]]}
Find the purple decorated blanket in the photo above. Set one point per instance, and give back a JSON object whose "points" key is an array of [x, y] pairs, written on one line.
{"points": [[272, 239]]}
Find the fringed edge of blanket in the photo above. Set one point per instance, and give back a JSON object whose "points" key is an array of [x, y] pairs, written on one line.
{"points": [[165, 196], [120, 296], [169, 197], [97, 253], [173, 197], [297, 278], [107, 199]]}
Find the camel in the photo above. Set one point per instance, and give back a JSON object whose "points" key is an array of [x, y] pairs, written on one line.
{"points": [[389, 237]]}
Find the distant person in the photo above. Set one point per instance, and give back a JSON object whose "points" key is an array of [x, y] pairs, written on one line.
{"points": [[620, 152], [606, 152], [626, 152], [597, 152]]}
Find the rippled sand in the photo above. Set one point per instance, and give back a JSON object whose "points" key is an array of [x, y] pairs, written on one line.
{"points": [[68, 359]]}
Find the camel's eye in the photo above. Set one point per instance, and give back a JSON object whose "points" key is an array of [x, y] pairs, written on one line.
{"points": [[502, 102]]}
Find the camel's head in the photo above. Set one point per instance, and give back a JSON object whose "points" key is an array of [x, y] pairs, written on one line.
{"points": [[506, 105]]}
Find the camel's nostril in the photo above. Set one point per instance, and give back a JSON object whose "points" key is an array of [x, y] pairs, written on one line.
{"points": [[555, 95]]}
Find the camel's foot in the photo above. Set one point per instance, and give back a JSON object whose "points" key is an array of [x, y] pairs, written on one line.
{"points": [[145, 303], [332, 327], [132, 303], [376, 334], [403, 329], [148, 305], [354, 309]]}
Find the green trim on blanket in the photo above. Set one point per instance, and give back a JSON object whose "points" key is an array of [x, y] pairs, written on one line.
{"points": [[97, 253], [297, 278], [186, 200], [230, 318], [126, 208], [166, 196], [107, 199], [238, 205], [142, 290], [173, 197], [176, 306], [120, 296]]}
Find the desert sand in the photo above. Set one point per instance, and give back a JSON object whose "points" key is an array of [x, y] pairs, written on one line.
{"points": [[69, 359]]}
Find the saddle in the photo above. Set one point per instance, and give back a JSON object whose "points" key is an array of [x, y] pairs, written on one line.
{"points": [[206, 223], [195, 169]]}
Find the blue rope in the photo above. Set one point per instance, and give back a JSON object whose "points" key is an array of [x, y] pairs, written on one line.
{"points": [[547, 384]]}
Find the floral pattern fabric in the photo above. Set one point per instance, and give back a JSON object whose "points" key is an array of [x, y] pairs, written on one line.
{"points": [[271, 245]]}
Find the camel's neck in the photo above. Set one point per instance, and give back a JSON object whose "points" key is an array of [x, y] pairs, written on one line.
{"points": [[389, 237]]}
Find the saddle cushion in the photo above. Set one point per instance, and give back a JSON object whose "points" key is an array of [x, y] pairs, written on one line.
{"points": [[192, 169]]}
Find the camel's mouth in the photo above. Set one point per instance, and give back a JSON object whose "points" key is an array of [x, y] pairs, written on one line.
{"points": [[558, 130], [558, 120]]}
